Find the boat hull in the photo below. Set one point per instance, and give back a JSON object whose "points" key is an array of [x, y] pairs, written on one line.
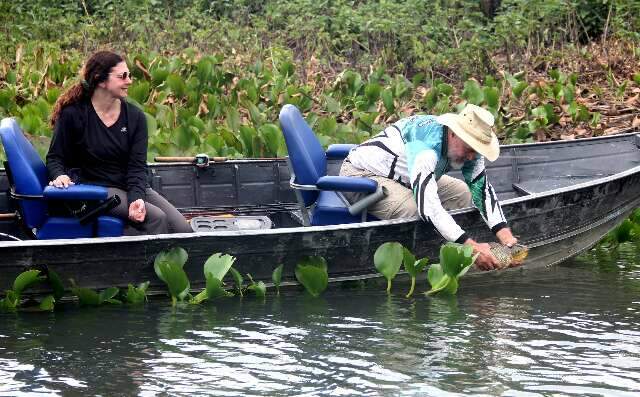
{"points": [[556, 223]]}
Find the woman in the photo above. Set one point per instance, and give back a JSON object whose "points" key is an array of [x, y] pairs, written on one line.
{"points": [[104, 139]]}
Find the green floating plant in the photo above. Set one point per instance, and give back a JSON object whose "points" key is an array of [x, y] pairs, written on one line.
{"points": [[168, 265], [388, 259], [311, 272], [11, 301], [89, 297], [136, 295], [455, 261], [628, 230], [218, 265], [215, 268], [47, 303], [413, 267], [55, 282], [276, 276], [237, 279], [259, 288]]}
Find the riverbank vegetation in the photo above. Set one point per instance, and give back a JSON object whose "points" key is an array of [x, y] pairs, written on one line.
{"points": [[212, 76]]}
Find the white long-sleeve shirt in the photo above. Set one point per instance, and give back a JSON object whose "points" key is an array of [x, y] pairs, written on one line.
{"points": [[413, 152]]}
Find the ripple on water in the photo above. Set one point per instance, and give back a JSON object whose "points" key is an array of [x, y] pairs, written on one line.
{"points": [[569, 330]]}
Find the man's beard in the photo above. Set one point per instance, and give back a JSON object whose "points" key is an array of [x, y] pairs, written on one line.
{"points": [[456, 165]]}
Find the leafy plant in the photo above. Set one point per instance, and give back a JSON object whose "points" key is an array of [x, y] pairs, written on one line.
{"points": [[276, 276], [168, 266], [259, 288], [311, 272], [455, 261], [215, 269], [89, 297], [388, 259], [238, 279], [12, 298], [136, 295], [413, 267]]}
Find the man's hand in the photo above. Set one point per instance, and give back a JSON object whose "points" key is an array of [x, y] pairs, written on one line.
{"points": [[137, 211], [506, 238], [485, 259], [63, 181]]}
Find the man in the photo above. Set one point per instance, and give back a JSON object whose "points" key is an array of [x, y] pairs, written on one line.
{"points": [[409, 160]]}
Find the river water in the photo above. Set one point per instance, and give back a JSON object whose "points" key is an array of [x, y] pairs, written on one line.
{"points": [[572, 329]]}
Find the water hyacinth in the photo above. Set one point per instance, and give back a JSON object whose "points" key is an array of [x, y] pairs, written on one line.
{"points": [[276, 277], [311, 272], [136, 295], [455, 261], [12, 298], [89, 297], [387, 260], [168, 267], [413, 267]]}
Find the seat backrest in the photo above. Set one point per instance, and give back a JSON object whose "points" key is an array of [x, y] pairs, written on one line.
{"points": [[306, 155], [28, 171]]}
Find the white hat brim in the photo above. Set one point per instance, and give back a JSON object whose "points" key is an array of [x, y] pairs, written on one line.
{"points": [[491, 151]]}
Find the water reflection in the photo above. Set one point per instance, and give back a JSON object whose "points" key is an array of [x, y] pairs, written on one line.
{"points": [[570, 329]]}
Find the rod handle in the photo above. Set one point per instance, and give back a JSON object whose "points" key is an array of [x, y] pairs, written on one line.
{"points": [[187, 159]]}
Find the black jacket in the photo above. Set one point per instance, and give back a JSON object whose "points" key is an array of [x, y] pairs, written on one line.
{"points": [[114, 156]]}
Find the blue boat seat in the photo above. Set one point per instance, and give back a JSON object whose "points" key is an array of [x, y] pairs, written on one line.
{"points": [[320, 196], [29, 185]]}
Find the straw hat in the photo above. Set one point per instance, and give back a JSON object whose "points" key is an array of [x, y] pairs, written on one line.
{"points": [[474, 126]]}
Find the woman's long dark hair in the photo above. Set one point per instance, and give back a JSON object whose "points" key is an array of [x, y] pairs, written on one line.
{"points": [[95, 71]]}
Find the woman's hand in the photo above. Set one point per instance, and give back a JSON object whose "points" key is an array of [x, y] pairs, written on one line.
{"points": [[63, 182], [137, 211], [506, 238]]}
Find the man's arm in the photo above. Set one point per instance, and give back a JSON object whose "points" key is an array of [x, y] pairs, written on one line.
{"points": [[485, 199], [425, 192]]}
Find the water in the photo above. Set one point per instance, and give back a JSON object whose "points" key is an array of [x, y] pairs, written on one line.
{"points": [[568, 330]]}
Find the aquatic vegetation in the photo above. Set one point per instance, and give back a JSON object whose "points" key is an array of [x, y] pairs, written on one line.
{"points": [[311, 272], [276, 277], [413, 267], [218, 265], [455, 261], [628, 230], [136, 295], [388, 259], [12, 298], [259, 288], [215, 268], [168, 266], [89, 297], [238, 280], [390, 256]]}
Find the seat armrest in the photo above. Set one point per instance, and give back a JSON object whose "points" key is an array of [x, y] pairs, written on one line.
{"points": [[347, 184], [339, 150], [76, 192]]}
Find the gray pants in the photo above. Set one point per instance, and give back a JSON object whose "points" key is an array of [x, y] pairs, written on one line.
{"points": [[399, 202], [161, 217]]}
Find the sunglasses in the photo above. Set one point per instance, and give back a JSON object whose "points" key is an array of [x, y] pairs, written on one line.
{"points": [[124, 75]]}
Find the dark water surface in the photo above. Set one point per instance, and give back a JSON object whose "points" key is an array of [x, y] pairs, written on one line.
{"points": [[573, 329]]}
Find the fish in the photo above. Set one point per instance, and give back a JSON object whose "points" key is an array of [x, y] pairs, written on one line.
{"points": [[508, 256]]}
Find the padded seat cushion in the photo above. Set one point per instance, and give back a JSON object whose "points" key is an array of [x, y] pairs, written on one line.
{"points": [[58, 227], [330, 209], [339, 150], [76, 192], [347, 184], [109, 226]]}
